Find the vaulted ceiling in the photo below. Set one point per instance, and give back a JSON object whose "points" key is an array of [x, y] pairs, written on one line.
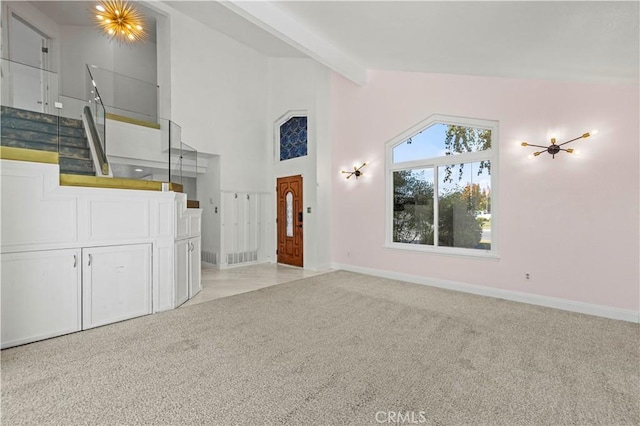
{"points": [[593, 41]]}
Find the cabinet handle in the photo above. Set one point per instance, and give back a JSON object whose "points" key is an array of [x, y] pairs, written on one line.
{"points": [[89, 264], [75, 260]]}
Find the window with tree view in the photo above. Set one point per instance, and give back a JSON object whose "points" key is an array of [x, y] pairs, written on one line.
{"points": [[441, 186]]}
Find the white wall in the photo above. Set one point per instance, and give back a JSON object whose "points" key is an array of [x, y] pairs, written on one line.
{"points": [[81, 45], [302, 85], [219, 90], [218, 95], [209, 197]]}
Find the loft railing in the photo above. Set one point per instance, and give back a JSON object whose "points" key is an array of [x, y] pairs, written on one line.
{"points": [[159, 155], [98, 113], [27, 91], [126, 96]]}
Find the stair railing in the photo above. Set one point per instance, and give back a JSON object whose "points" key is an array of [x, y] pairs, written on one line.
{"points": [[94, 141], [98, 113]]}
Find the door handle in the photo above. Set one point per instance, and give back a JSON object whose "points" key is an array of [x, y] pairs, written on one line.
{"points": [[89, 264], [75, 260], [299, 216]]}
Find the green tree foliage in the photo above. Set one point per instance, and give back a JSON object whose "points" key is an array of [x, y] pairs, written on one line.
{"points": [[413, 207], [458, 226], [459, 139], [413, 212]]}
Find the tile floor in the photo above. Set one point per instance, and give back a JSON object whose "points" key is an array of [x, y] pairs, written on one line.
{"points": [[218, 283]]}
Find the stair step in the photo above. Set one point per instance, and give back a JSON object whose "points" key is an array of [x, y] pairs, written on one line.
{"points": [[76, 166], [40, 126], [39, 137], [33, 130], [17, 143], [39, 117], [73, 152]]}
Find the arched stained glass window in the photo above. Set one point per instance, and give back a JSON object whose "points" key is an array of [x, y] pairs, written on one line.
{"points": [[293, 138]]}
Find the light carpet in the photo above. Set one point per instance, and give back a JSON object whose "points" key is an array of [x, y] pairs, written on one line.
{"points": [[339, 348]]}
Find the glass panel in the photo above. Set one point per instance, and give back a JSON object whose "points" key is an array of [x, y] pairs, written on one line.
{"points": [[29, 118], [464, 205], [98, 111], [289, 213], [127, 96], [413, 206], [442, 139], [293, 138]]}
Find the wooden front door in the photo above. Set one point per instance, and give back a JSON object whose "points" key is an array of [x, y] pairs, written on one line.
{"points": [[290, 214]]}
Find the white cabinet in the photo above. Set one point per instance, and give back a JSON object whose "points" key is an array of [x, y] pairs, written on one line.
{"points": [[195, 283], [40, 295], [188, 280], [53, 292], [188, 249], [182, 272], [116, 283]]}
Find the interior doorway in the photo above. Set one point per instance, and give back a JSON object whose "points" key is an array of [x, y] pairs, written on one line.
{"points": [[289, 220], [30, 78]]}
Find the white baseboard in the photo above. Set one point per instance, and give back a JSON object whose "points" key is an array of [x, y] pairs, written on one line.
{"points": [[533, 299]]}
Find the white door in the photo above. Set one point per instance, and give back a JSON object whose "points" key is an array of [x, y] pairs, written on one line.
{"points": [[40, 295], [195, 284], [30, 80], [116, 283], [182, 272]]}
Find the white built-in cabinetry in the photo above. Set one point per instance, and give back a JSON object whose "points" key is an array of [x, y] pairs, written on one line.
{"points": [[74, 258], [40, 295], [116, 283], [187, 254], [241, 224]]}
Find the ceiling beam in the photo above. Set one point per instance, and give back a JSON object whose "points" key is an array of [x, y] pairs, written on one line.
{"points": [[282, 25]]}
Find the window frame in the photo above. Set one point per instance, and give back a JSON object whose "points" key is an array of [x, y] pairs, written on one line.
{"points": [[276, 134], [436, 162]]}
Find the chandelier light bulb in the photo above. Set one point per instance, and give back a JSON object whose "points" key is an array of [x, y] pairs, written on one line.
{"points": [[120, 21]]}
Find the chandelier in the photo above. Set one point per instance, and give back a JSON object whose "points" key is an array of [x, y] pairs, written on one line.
{"points": [[120, 21]]}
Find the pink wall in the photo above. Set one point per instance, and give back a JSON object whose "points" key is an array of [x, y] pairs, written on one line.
{"points": [[572, 222]]}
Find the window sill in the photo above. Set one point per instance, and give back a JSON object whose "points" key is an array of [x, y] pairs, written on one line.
{"points": [[444, 251]]}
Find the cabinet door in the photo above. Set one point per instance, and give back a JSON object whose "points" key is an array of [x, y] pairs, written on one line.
{"points": [[182, 272], [195, 284], [40, 295], [116, 283]]}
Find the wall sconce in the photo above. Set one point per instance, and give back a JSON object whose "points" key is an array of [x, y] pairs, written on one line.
{"points": [[554, 148], [356, 171]]}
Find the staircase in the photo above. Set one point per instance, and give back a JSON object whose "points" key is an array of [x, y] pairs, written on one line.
{"points": [[35, 130]]}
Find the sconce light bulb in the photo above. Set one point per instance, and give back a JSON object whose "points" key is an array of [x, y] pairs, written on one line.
{"points": [[100, 8], [537, 153], [553, 141], [524, 144], [530, 156], [593, 132], [577, 152], [570, 150]]}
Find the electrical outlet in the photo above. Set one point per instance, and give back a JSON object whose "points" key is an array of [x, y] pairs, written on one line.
{"points": [[527, 276]]}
